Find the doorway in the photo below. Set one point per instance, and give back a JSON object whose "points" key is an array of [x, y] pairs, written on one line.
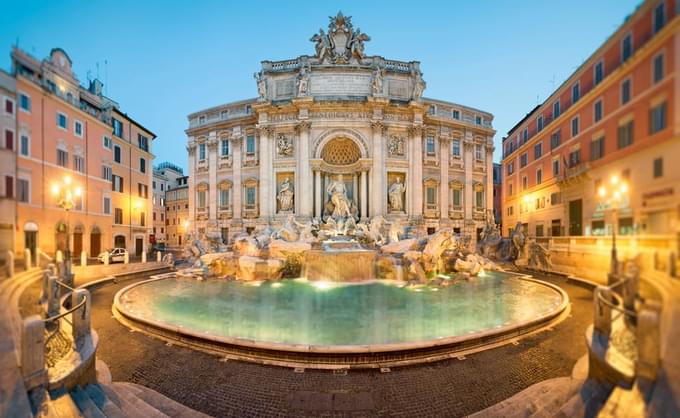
{"points": [[95, 244], [31, 242], [139, 246], [77, 243], [576, 217]]}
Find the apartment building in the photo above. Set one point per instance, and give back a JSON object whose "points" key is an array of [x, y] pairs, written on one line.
{"points": [[616, 119], [71, 133], [177, 212], [165, 176], [8, 145]]}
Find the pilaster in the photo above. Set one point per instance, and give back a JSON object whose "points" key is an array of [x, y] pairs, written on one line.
{"points": [[212, 175], [236, 144], [468, 156], [303, 196], [191, 150], [265, 199], [416, 171], [378, 173], [444, 178]]}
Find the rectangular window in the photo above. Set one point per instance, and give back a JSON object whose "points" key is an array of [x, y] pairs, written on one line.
{"points": [[23, 191], [479, 152], [525, 135], [555, 139], [78, 128], [117, 154], [250, 196], [626, 47], [457, 198], [201, 198], [525, 182], [9, 186], [250, 144], [625, 134], [659, 17], [224, 198], [538, 150], [599, 72], [539, 176], [575, 158], [510, 189], [143, 142], [201, 152], [24, 145], [107, 205], [523, 160], [143, 190], [62, 121], [117, 183], [118, 216], [539, 123], [142, 219], [430, 145], [575, 92], [117, 127], [142, 165], [225, 147], [556, 168], [24, 102], [107, 142], [597, 149], [79, 163], [597, 111], [9, 139], [625, 91], [574, 126], [658, 168], [657, 118], [455, 148], [658, 69], [479, 199], [62, 158], [554, 198], [9, 107], [478, 120], [106, 173], [556, 109], [456, 114], [511, 168], [431, 194]]}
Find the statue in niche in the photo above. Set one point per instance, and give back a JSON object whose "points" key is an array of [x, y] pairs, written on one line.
{"points": [[419, 86], [302, 82], [377, 85], [338, 194], [396, 194], [396, 146], [284, 146], [285, 196], [261, 85]]}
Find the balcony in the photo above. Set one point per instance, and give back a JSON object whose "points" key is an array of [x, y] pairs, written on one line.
{"points": [[456, 212], [224, 212], [574, 173]]}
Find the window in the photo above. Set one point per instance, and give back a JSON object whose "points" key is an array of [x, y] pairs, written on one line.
{"points": [[9, 186], [9, 106], [457, 198], [78, 128], [117, 183], [62, 121], [25, 145], [479, 152], [142, 190], [107, 205], [9, 139], [511, 168], [430, 145], [539, 176], [201, 152], [456, 114], [624, 134], [555, 139], [142, 219], [478, 120], [78, 203], [23, 194], [79, 163], [556, 168], [201, 119], [107, 142], [657, 118], [510, 189], [224, 198], [106, 173], [143, 142], [658, 168], [525, 182], [538, 150], [162, 186], [659, 17], [658, 69], [62, 158], [479, 198], [250, 144], [574, 158], [574, 126], [626, 47], [117, 127], [555, 198], [455, 147], [24, 102], [250, 196], [201, 198], [556, 109], [510, 210], [225, 147], [597, 111], [431, 196], [598, 72], [625, 91], [525, 135], [539, 123], [523, 159], [142, 165], [118, 216], [117, 154], [597, 149], [575, 92]]}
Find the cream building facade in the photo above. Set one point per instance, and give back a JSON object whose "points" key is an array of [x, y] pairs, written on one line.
{"points": [[340, 117]]}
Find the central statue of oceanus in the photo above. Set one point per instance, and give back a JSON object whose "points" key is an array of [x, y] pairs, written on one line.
{"points": [[338, 198]]}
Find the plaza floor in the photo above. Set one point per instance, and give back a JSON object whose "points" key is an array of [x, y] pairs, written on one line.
{"points": [[449, 388]]}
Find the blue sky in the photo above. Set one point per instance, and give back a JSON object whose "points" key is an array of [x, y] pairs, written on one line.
{"points": [[167, 59]]}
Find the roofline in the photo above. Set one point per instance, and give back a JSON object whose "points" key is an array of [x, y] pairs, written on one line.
{"points": [[429, 99], [153, 135], [244, 101]]}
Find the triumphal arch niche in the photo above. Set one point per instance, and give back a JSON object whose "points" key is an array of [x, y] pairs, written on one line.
{"points": [[340, 131]]}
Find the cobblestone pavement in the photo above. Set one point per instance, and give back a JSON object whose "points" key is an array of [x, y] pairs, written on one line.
{"points": [[448, 388]]}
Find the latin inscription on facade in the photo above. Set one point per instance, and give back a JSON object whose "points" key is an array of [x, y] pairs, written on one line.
{"points": [[340, 84], [398, 88], [284, 88]]}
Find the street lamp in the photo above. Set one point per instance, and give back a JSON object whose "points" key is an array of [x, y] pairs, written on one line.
{"points": [[66, 193], [613, 194]]}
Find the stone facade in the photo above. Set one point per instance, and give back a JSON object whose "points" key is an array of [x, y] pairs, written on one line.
{"points": [[340, 116]]}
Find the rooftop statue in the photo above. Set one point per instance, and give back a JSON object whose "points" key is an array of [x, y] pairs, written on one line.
{"points": [[342, 44]]}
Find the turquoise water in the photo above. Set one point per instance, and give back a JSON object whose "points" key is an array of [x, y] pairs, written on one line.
{"points": [[323, 313]]}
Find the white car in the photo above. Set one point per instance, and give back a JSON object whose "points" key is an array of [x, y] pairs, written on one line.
{"points": [[116, 255]]}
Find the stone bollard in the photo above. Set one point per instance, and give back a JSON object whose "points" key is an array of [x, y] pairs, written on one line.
{"points": [[106, 258], [126, 258], [602, 321], [27, 258], [59, 257], [143, 256], [83, 258], [52, 296], [158, 256], [10, 264], [648, 340], [81, 316], [45, 287], [33, 352]]}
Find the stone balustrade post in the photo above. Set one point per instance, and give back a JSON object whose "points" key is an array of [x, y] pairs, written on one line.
{"points": [[83, 258], [10, 264], [52, 296], [158, 256], [602, 320], [81, 316], [27, 258], [648, 340], [33, 352]]}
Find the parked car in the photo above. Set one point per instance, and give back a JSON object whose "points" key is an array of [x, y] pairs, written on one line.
{"points": [[116, 255]]}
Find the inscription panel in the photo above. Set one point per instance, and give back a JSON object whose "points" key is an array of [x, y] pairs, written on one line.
{"points": [[284, 88], [340, 84], [398, 88]]}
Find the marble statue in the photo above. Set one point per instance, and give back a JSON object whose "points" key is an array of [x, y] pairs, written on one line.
{"points": [[302, 82], [356, 44], [342, 43], [518, 242], [285, 196], [377, 82], [261, 86], [395, 146], [338, 198], [322, 45], [419, 86], [396, 194], [284, 146]]}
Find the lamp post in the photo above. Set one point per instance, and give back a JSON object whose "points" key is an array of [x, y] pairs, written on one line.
{"points": [[66, 193], [613, 194]]}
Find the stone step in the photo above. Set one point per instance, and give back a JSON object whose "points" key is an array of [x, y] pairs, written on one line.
{"points": [[108, 407], [63, 407], [87, 407], [130, 404], [161, 402]]}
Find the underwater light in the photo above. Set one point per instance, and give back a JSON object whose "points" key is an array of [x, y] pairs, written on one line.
{"points": [[323, 285], [481, 273], [277, 285]]}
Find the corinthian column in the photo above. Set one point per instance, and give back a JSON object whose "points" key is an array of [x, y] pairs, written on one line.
{"points": [[303, 195], [416, 163], [191, 149], [317, 193], [364, 194], [236, 169], [444, 178], [265, 173], [469, 193], [378, 188], [212, 175]]}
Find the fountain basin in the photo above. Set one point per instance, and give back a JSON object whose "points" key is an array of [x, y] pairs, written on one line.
{"points": [[329, 324], [346, 265]]}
